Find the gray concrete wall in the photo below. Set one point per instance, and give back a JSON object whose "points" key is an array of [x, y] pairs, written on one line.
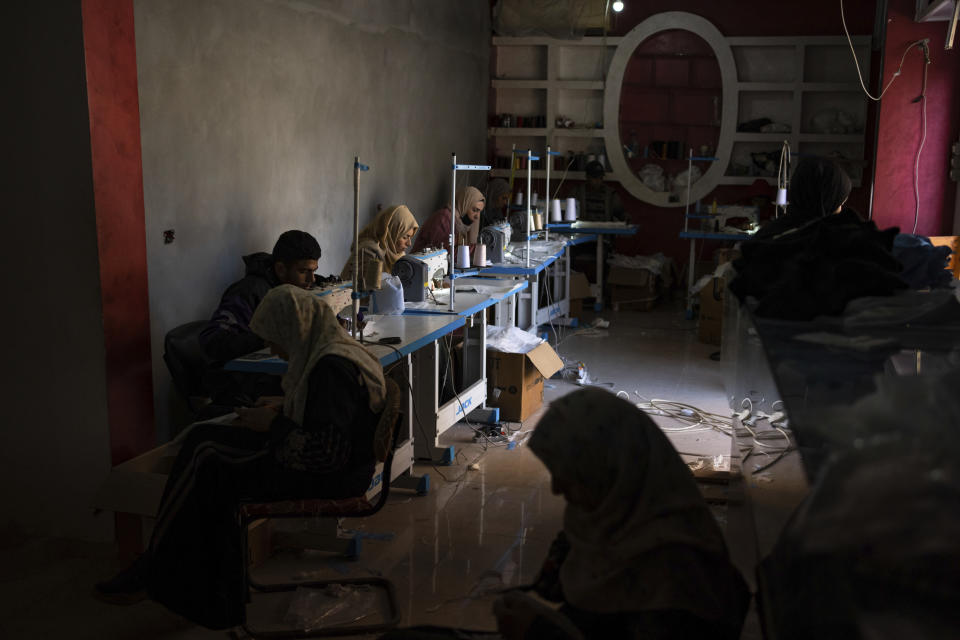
{"points": [[55, 441], [252, 112]]}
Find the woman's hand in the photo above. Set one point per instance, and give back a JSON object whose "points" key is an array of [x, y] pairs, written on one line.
{"points": [[257, 419], [274, 402], [515, 613]]}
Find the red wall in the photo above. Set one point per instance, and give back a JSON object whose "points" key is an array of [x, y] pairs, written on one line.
{"points": [[111, 69], [901, 128]]}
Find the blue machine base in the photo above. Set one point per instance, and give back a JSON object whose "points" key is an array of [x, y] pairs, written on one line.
{"points": [[448, 456], [598, 306], [423, 487]]}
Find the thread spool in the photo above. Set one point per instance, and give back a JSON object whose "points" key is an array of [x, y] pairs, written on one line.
{"points": [[480, 255], [555, 215], [534, 198], [463, 257], [518, 199], [537, 221], [570, 214], [781, 197]]}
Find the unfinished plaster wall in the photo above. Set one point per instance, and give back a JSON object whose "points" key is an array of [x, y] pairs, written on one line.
{"points": [[252, 112]]}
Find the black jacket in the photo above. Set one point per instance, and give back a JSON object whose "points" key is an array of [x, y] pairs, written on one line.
{"points": [[228, 334]]}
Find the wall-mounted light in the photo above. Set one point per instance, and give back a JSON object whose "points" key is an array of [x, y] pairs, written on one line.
{"points": [[617, 6]]}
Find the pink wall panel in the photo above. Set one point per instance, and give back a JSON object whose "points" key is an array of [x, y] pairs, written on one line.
{"points": [[901, 128]]}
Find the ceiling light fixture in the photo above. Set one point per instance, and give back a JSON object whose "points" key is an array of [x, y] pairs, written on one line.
{"points": [[617, 6]]}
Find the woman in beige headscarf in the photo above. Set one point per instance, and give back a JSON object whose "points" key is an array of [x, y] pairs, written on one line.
{"points": [[436, 230], [384, 241], [321, 445], [640, 554]]}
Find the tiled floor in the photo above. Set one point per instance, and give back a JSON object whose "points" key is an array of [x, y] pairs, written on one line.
{"points": [[477, 531]]}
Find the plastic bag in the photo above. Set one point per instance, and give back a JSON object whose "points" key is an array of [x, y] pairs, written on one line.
{"points": [[652, 176], [388, 299], [331, 606]]}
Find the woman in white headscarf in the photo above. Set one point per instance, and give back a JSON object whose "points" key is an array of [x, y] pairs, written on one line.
{"points": [[319, 444], [640, 555], [384, 240], [436, 230]]}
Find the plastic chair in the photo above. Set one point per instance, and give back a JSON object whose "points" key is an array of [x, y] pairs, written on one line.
{"points": [[386, 437]]}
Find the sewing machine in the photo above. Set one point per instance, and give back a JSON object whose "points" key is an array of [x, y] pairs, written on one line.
{"points": [[417, 270], [496, 237], [521, 225]]}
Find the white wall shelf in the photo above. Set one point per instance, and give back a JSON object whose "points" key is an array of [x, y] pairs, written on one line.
{"points": [[517, 132], [578, 133], [503, 83], [787, 79]]}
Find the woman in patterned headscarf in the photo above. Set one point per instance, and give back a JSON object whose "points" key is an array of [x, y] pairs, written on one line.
{"points": [[319, 444], [436, 231], [640, 554], [385, 240]]}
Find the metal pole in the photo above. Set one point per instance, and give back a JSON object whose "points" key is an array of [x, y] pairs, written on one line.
{"points": [[356, 244], [453, 226], [546, 209], [529, 215], [686, 212]]}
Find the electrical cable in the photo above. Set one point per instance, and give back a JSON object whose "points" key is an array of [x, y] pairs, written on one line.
{"points": [[694, 419], [856, 61], [562, 178], [923, 138]]}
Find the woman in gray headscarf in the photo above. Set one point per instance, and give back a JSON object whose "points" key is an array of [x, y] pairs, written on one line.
{"points": [[640, 554], [319, 443]]}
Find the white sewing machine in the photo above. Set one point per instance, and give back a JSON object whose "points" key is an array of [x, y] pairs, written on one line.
{"points": [[337, 295], [417, 270], [496, 237]]}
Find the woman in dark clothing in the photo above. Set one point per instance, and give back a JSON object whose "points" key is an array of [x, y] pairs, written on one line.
{"points": [[640, 554], [320, 446], [818, 188]]}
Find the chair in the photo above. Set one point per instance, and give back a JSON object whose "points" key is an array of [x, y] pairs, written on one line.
{"points": [[187, 363], [386, 436]]}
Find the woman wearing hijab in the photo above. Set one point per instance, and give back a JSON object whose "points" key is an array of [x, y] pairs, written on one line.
{"points": [[383, 241], [436, 231], [319, 446], [640, 555], [818, 188], [497, 199]]}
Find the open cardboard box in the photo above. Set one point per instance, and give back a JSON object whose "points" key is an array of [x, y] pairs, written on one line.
{"points": [[133, 490], [515, 380]]}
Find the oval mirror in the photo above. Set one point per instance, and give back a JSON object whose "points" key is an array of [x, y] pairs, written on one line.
{"points": [[669, 90]]}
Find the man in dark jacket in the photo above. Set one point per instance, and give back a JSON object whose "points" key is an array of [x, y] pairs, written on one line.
{"points": [[293, 261]]}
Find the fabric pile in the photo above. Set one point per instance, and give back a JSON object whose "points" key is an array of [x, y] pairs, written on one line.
{"points": [[817, 268], [924, 265]]}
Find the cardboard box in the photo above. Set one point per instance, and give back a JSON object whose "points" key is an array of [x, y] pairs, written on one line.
{"points": [[515, 380], [710, 326], [635, 289], [723, 256], [579, 286], [133, 490], [954, 243], [579, 289]]}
